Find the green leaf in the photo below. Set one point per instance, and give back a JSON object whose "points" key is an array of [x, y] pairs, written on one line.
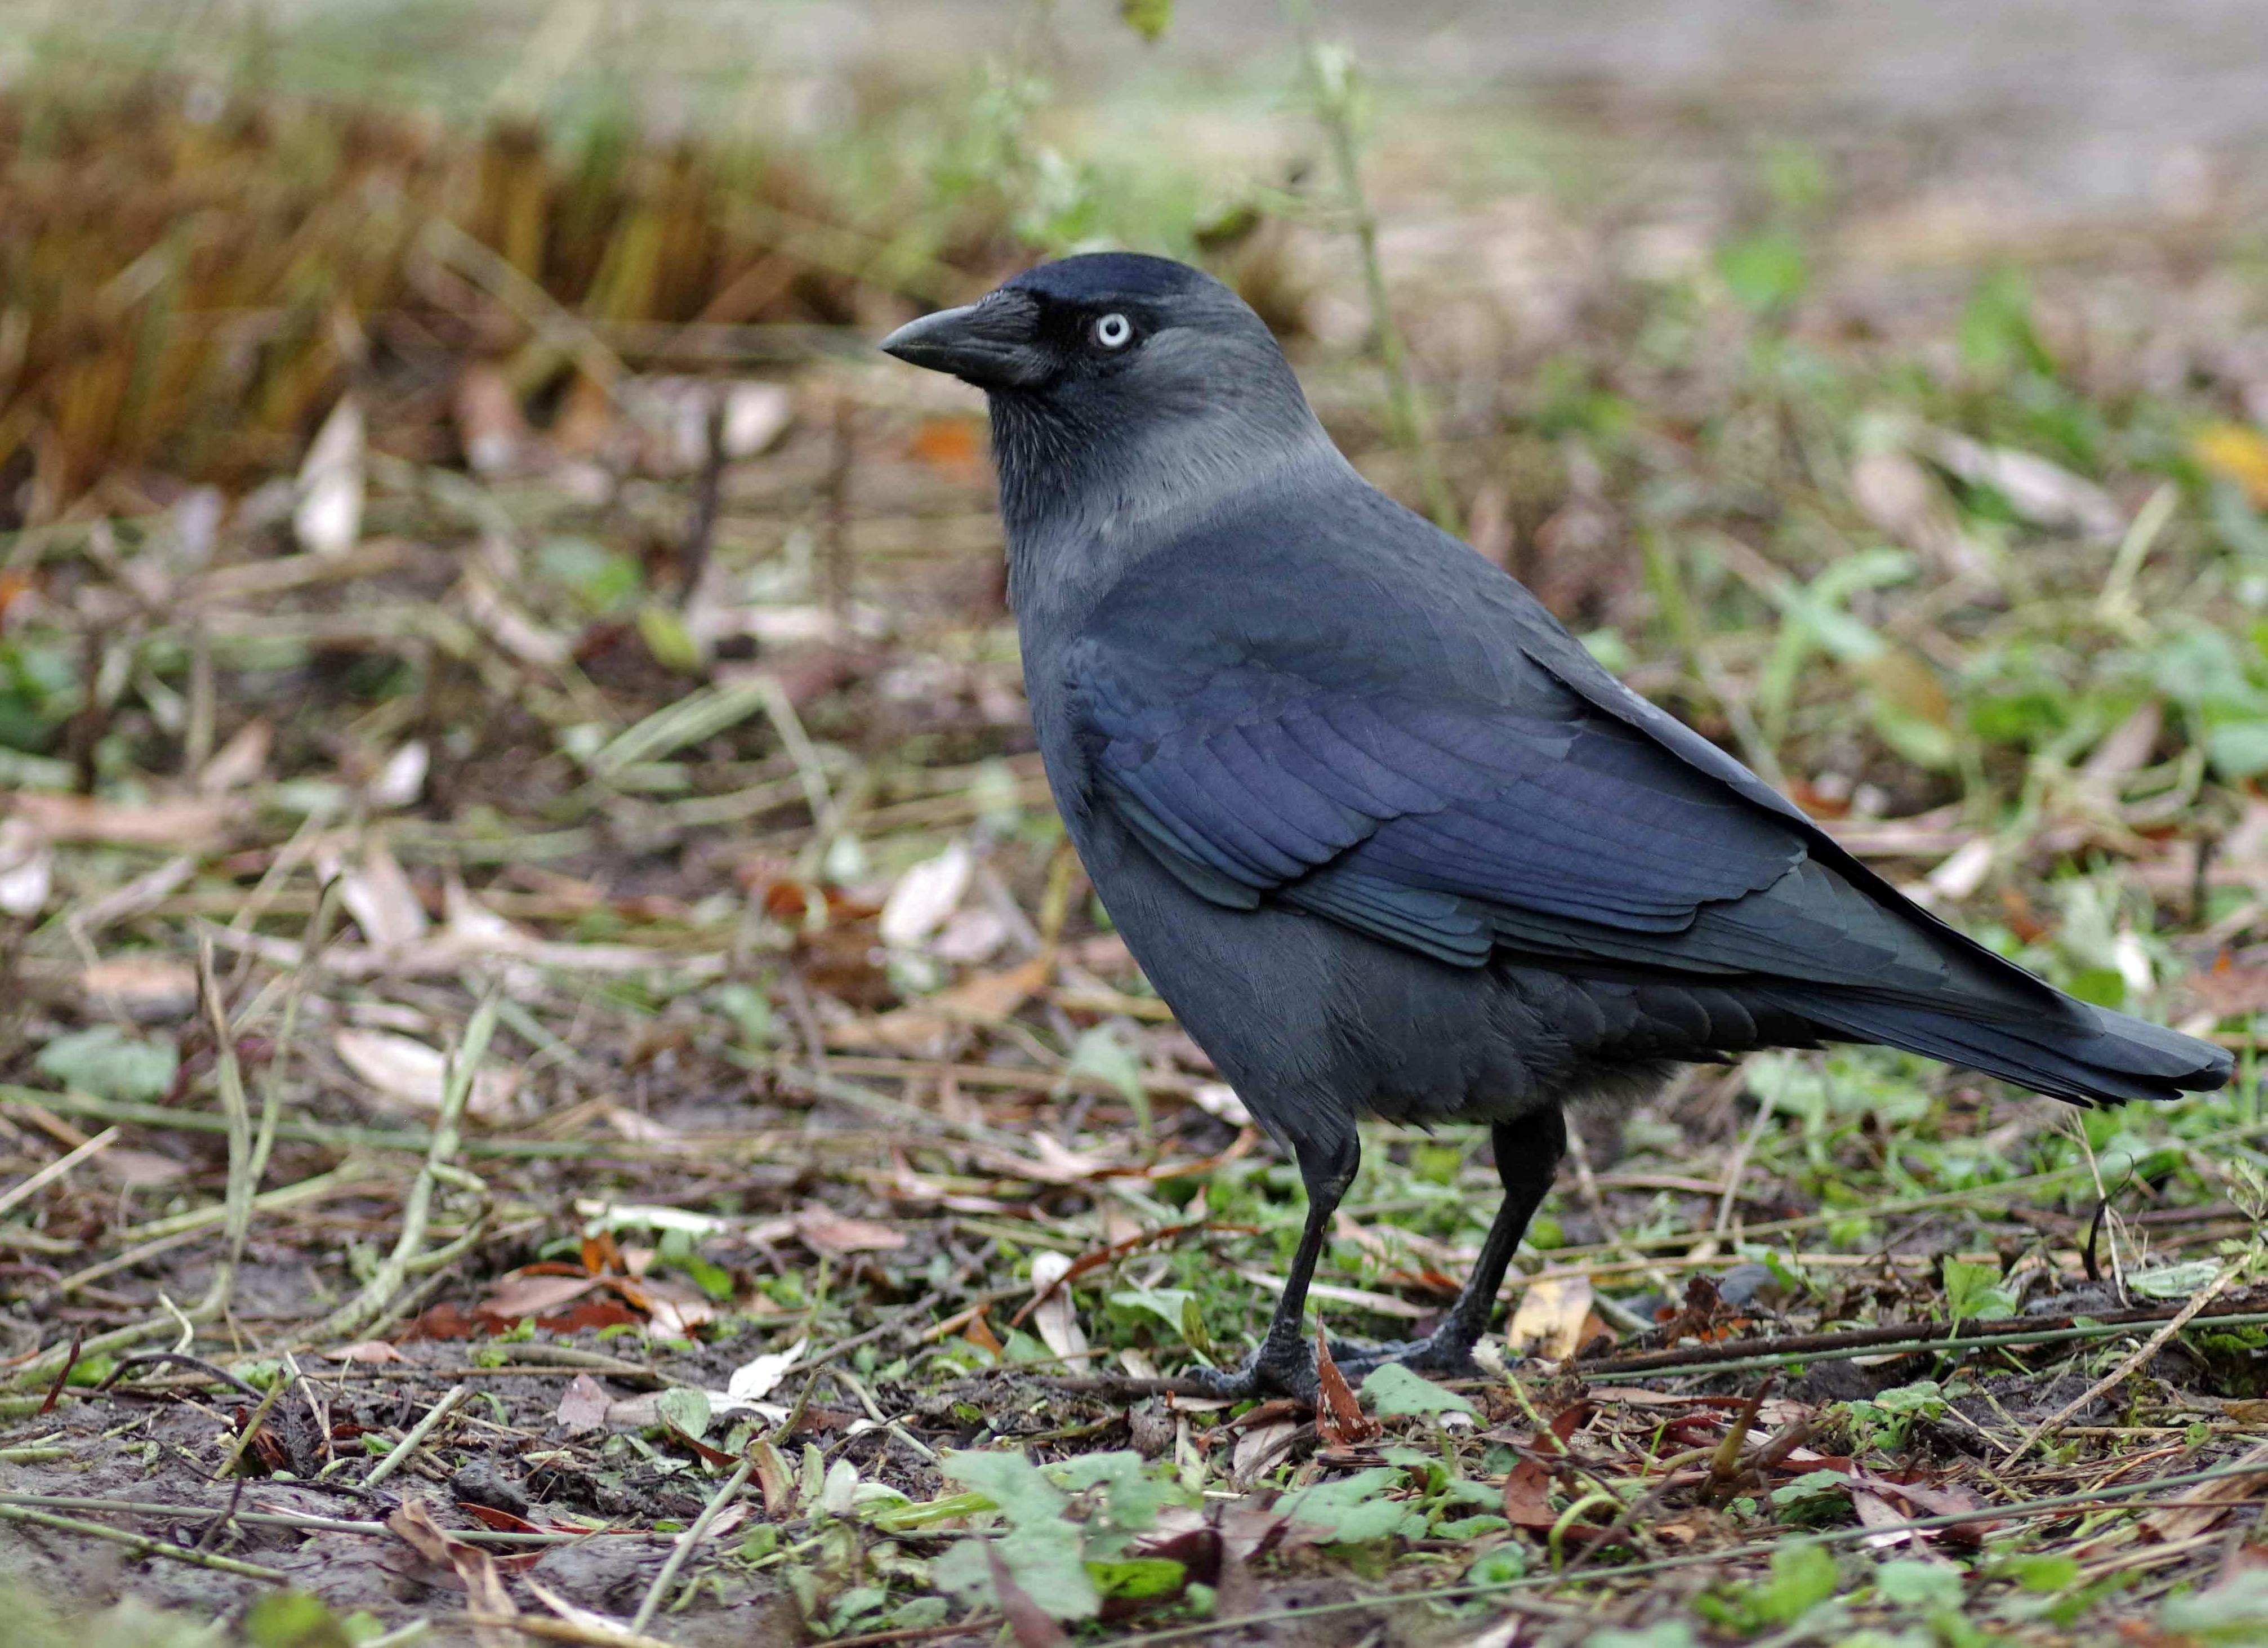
{"points": [[602, 580], [2173, 1281], [1138, 1578], [1973, 1292], [1661, 1634], [2039, 1572], [1149, 18], [665, 637], [1353, 1510], [1802, 1577], [1910, 1583], [1393, 1390], [293, 1619], [683, 1408], [109, 1063], [1819, 1484], [1133, 1490], [1043, 1560], [1101, 1053], [2238, 749], [1011, 1483], [2234, 1612], [1764, 272], [1997, 333]]}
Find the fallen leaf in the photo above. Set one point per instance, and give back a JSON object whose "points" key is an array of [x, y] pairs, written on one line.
{"points": [[925, 895], [1054, 1319], [142, 987], [411, 1073], [489, 425], [473, 1568], [377, 894], [2235, 452], [921, 1030], [368, 1352], [518, 1296], [821, 1227], [1027, 1622], [1549, 1323], [1260, 1448], [1340, 1422], [949, 443], [185, 824], [2198, 1510], [240, 761], [327, 520], [27, 868], [1876, 1512], [760, 1376], [2042, 492]]}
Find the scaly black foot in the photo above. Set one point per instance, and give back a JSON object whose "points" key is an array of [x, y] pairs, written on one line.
{"points": [[1276, 1369], [1440, 1356]]}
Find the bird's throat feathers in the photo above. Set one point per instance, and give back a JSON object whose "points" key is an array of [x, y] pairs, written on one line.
{"points": [[1085, 498]]}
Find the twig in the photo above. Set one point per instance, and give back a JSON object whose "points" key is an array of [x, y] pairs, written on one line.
{"points": [[558, 1630], [1330, 83], [2150, 1346], [56, 1169], [686, 1541], [417, 1209], [266, 1405], [408, 1445], [142, 1544]]}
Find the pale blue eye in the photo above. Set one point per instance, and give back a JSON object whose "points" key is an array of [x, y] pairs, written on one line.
{"points": [[1114, 331]]}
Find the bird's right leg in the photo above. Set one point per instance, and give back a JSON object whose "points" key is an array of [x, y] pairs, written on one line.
{"points": [[1285, 1363]]}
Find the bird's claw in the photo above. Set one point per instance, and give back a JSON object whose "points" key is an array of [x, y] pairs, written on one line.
{"points": [[1273, 1370], [1440, 1356], [1289, 1370]]}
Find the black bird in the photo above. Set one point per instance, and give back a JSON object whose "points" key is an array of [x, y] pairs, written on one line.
{"points": [[1381, 832]]}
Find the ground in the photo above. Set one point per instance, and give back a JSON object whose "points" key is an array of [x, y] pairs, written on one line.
{"points": [[560, 1067]]}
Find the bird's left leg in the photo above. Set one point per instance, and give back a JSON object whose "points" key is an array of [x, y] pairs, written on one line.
{"points": [[1527, 1152], [1285, 1362]]}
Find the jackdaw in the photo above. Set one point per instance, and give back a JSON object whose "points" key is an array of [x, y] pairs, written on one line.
{"points": [[1382, 833]]}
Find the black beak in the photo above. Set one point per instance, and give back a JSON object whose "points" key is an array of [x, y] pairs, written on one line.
{"points": [[991, 343]]}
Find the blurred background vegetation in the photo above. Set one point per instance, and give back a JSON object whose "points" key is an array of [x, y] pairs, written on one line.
{"points": [[445, 438]]}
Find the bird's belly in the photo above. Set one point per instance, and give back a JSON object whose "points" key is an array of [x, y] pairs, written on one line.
{"points": [[1305, 1018]]}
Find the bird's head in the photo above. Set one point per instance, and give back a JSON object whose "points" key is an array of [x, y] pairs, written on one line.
{"points": [[1121, 386]]}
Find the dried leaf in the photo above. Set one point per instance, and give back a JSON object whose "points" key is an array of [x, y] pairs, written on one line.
{"points": [[489, 425], [409, 1072], [925, 895], [377, 894], [821, 1227], [1340, 1421], [27, 868], [522, 1296], [2235, 452], [1549, 1323], [240, 762], [581, 1404], [369, 1351], [760, 1376], [327, 520], [185, 824], [1054, 1319], [1258, 1448], [2201, 1508]]}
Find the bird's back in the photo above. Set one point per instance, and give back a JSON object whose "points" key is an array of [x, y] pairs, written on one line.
{"points": [[1311, 738]]}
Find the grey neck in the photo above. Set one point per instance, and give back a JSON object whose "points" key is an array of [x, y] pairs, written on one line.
{"points": [[1082, 508]]}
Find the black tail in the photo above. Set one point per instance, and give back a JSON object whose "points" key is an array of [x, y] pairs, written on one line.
{"points": [[2086, 1054]]}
